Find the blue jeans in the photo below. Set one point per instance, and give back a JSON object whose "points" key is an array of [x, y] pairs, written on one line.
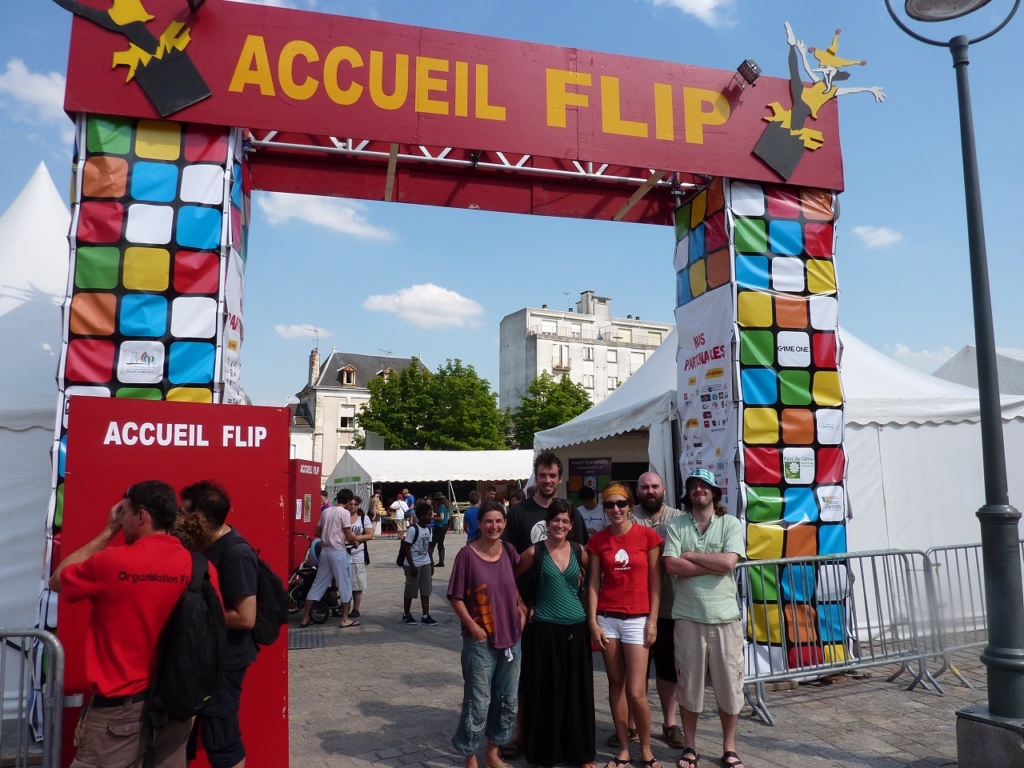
{"points": [[490, 697]]}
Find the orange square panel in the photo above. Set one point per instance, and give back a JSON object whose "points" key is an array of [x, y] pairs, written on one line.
{"points": [[801, 540], [92, 314], [791, 311], [816, 204], [718, 269], [797, 426], [105, 177]]}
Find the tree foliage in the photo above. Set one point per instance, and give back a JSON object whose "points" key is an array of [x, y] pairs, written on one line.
{"points": [[453, 410], [548, 403]]}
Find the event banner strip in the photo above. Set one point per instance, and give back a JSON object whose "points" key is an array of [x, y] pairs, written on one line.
{"points": [[238, 64]]}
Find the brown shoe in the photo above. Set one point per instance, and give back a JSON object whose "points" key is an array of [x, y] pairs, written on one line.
{"points": [[673, 736], [613, 740]]}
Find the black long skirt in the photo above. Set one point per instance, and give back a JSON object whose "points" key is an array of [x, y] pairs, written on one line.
{"points": [[557, 685]]}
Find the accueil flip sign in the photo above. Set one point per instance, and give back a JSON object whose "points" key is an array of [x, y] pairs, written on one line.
{"points": [[297, 71]]}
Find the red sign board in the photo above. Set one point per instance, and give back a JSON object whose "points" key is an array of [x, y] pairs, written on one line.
{"points": [[114, 442], [302, 72], [303, 505]]}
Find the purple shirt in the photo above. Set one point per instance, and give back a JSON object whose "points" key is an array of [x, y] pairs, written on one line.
{"points": [[489, 592]]}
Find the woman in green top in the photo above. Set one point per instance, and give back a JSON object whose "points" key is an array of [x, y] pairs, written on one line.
{"points": [[557, 678]]}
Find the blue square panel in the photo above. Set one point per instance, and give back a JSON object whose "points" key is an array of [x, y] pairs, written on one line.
{"points": [[797, 583], [236, 188], [752, 272], [760, 386], [143, 314], [191, 363], [801, 506], [831, 539], [786, 238], [832, 622], [683, 294], [155, 182], [696, 243], [199, 227]]}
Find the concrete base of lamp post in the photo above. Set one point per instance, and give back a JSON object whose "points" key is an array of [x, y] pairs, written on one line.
{"points": [[984, 740]]}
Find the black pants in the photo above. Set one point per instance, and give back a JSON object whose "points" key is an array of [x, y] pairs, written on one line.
{"points": [[437, 541]]}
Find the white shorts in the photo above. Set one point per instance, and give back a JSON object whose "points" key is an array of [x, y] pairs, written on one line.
{"points": [[358, 574], [334, 564], [629, 631]]}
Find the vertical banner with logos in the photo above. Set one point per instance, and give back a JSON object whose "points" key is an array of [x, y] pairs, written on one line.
{"points": [[160, 214]]}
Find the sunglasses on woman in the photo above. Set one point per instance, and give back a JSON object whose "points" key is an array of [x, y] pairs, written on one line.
{"points": [[621, 504]]}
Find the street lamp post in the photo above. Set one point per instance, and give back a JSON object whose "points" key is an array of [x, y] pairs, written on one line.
{"points": [[1004, 654]]}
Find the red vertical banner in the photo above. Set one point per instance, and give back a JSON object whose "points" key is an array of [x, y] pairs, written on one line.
{"points": [[302, 508], [112, 443]]}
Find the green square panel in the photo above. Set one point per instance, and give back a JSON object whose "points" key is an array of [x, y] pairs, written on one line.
{"points": [[682, 221], [140, 393], [757, 348], [97, 267], [58, 512], [795, 387], [764, 505], [764, 583], [751, 236], [111, 135]]}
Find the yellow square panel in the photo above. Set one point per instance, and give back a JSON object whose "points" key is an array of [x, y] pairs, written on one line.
{"points": [[833, 652], [190, 395], [158, 140], [764, 541], [826, 388], [763, 624], [698, 278], [754, 309], [146, 269], [699, 209], [760, 426], [821, 276]]}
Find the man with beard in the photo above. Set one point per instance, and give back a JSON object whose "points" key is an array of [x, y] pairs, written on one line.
{"points": [[525, 525], [653, 512]]}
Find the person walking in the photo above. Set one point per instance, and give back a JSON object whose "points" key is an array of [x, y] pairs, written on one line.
{"points": [[483, 594], [625, 591], [335, 529], [557, 680], [439, 527], [419, 567]]}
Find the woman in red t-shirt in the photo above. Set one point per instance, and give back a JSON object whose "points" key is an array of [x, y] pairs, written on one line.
{"points": [[625, 590]]}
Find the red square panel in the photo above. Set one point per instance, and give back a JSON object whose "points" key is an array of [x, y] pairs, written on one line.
{"points": [[204, 143], [90, 360], [100, 222], [714, 233], [196, 272], [824, 349], [831, 463], [762, 466], [818, 240], [783, 203]]}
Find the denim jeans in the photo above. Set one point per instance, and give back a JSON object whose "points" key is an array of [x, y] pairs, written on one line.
{"points": [[490, 697]]}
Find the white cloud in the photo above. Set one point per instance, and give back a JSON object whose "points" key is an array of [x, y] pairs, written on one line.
{"points": [[340, 215], [299, 331], [926, 361], [428, 306], [878, 237], [714, 13], [43, 93]]}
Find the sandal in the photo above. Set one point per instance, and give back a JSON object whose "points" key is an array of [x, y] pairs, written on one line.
{"points": [[632, 733], [304, 624], [499, 764], [652, 763], [734, 762], [616, 763], [511, 751], [689, 758]]}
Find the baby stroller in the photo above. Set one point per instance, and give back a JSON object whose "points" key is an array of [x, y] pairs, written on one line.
{"points": [[301, 581]]}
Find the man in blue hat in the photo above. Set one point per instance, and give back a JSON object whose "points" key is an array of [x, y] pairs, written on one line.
{"points": [[702, 549]]}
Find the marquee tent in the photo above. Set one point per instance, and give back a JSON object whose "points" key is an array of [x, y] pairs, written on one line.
{"points": [[431, 466], [33, 279], [913, 441], [962, 368]]}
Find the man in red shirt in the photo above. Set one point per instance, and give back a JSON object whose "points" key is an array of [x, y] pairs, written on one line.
{"points": [[132, 590]]}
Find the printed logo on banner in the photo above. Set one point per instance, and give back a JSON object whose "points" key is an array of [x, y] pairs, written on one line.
{"points": [[141, 362], [831, 502], [798, 465], [793, 349]]}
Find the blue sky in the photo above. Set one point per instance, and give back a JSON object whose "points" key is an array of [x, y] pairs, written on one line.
{"points": [[436, 282]]}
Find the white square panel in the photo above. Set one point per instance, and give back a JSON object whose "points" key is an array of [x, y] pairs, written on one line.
{"points": [[747, 199], [193, 317], [682, 255], [793, 349], [202, 184], [149, 224], [824, 313], [831, 502], [798, 466], [830, 426], [141, 362], [788, 274]]}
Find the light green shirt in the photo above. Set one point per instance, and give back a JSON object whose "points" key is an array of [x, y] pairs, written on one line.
{"points": [[668, 514], [710, 598]]}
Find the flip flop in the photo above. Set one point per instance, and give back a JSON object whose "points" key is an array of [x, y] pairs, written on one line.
{"points": [[304, 625], [350, 624], [688, 759], [511, 751], [733, 763], [499, 764]]}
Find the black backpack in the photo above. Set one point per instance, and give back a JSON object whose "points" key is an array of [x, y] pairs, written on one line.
{"points": [[192, 646], [271, 605], [529, 582], [400, 560]]}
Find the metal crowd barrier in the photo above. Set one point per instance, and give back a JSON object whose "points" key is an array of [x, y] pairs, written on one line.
{"points": [[809, 617], [32, 665]]}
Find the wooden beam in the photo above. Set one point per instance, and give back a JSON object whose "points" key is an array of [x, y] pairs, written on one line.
{"points": [[389, 184], [637, 196]]}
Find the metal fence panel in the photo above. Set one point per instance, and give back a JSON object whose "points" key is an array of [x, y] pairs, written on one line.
{"points": [[35, 658]]}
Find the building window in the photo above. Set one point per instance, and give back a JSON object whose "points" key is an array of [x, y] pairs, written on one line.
{"points": [[654, 338], [560, 357], [348, 377], [347, 422], [588, 382], [576, 329], [613, 355], [588, 353], [613, 382]]}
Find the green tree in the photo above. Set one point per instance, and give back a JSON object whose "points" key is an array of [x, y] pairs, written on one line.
{"points": [[548, 403], [452, 409]]}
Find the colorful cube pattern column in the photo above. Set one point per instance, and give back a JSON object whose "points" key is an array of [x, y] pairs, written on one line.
{"points": [[160, 214], [789, 457]]}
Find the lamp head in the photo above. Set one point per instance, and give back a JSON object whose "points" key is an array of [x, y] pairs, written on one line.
{"points": [[749, 71], [941, 10]]}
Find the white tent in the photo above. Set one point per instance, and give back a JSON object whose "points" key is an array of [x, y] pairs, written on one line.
{"points": [[33, 279], [431, 466], [913, 441], [962, 368]]}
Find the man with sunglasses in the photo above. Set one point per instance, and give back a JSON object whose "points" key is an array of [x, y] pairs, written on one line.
{"points": [[132, 591]]}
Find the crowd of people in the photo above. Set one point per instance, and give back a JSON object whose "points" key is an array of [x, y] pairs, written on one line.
{"points": [[545, 584]]}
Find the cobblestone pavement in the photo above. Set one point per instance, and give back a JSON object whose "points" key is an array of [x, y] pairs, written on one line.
{"points": [[387, 694]]}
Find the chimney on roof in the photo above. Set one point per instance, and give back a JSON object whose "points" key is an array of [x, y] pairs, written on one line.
{"points": [[314, 366]]}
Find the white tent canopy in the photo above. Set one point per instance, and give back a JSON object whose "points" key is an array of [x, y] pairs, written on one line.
{"points": [[431, 466], [962, 368]]}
